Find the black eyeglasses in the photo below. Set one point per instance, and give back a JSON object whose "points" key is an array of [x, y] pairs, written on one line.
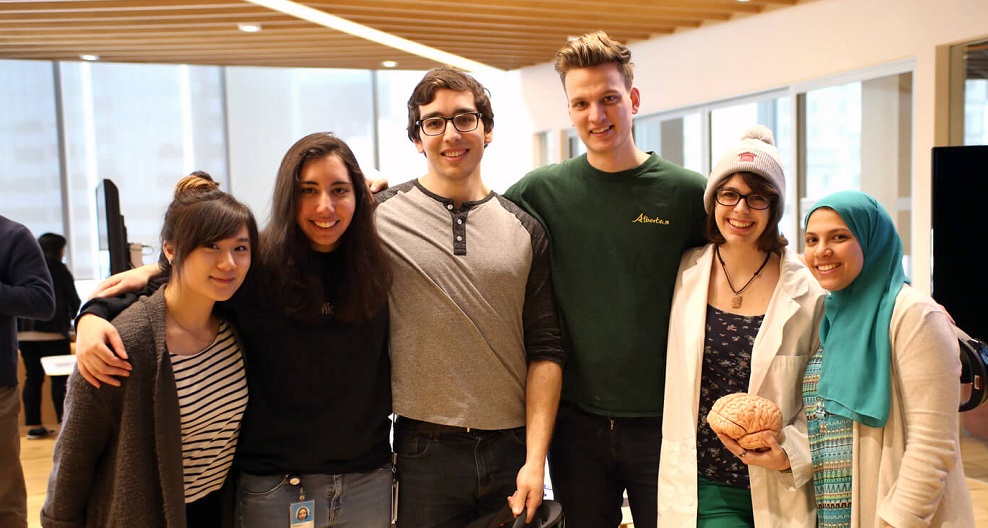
{"points": [[435, 126], [731, 198]]}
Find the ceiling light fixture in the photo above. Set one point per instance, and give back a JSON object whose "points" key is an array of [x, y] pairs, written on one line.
{"points": [[387, 39], [89, 57], [389, 64], [248, 28]]}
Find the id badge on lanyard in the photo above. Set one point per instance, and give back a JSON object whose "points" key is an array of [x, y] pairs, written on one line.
{"points": [[301, 514]]}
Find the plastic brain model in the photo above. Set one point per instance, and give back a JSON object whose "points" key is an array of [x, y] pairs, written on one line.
{"points": [[742, 416]]}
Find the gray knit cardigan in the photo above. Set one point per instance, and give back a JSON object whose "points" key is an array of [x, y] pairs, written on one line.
{"points": [[118, 458]]}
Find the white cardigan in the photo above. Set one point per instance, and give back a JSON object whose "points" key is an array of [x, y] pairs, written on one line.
{"points": [[788, 337], [908, 474]]}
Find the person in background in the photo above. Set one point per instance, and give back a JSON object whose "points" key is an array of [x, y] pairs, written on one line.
{"points": [[38, 339], [744, 319], [155, 452], [25, 291], [475, 343], [881, 391], [314, 319], [619, 220]]}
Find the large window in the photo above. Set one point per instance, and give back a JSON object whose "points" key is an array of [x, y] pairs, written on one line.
{"points": [[976, 111], [142, 126], [29, 153], [399, 160], [67, 126], [270, 108], [675, 138], [859, 136]]}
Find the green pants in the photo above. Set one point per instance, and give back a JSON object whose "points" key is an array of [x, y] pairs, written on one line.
{"points": [[723, 506]]}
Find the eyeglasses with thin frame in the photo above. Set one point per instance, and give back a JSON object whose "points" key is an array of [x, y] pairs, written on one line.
{"points": [[730, 198], [436, 126]]}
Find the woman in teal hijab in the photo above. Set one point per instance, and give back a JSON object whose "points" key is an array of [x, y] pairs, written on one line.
{"points": [[881, 393]]}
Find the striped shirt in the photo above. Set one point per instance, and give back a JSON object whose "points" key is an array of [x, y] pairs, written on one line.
{"points": [[212, 396]]}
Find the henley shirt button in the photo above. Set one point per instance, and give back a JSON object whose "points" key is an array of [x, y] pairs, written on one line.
{"points": [[459, 220], [449, 206], [459, 239]]}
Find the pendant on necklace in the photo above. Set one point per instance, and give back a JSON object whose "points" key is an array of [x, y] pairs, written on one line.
{"points": [[736, 301]]}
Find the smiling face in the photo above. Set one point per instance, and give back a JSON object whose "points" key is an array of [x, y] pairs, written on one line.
{"points": [[326, 202], [453, 156], [739, 223], [214, 271], [601, 107], [832, 253]]}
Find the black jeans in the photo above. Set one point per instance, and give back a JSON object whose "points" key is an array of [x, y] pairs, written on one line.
{"points": [[593, 459], [448, 478], [34, 379]]}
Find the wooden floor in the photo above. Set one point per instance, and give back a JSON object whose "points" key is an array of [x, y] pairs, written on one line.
{"points": [[36, 457]]}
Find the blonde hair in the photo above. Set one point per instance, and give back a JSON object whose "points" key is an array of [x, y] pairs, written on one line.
{"points": [[594, 49]]}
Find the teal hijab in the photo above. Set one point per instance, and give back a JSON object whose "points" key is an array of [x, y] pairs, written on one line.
{"points": [[855, 380]]}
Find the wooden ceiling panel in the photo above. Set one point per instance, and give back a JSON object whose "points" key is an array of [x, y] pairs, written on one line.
{"points": [[505, 34]]}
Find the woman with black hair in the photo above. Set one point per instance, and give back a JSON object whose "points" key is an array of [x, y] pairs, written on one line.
{"points": [[38, 339], [155, 451]]}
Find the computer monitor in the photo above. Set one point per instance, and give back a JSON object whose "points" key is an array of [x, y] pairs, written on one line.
{"points": [[114, 249], [959, 252]]}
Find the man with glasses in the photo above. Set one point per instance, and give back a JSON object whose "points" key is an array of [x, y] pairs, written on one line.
{"points": [[476, 350], [619, 219]]}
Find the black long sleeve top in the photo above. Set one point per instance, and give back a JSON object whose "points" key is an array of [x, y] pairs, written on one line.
{"points": [[320, 394]]}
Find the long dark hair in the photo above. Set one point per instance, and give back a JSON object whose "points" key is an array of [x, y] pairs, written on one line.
{"points": [[291, 275]]}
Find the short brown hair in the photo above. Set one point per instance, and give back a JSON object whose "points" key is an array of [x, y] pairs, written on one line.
{"points": [[447, 78], [771, 239], [594, 49]]}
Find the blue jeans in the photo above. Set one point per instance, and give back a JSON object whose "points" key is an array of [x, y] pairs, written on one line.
{"points": [[448, 478], [593, 459], [360, 500]]}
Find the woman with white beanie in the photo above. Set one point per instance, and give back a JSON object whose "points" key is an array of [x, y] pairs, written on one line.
{"points": [[744, 318]]}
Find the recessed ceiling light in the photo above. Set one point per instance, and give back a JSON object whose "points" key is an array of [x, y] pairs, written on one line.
{"points": [[248, 28], [89, 57], [389, 64]]}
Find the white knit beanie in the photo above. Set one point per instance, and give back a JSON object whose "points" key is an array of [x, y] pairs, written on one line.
{"points": [[755, 153]]}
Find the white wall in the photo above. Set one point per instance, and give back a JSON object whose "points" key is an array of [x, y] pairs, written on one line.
{"points": [[797, 44]]}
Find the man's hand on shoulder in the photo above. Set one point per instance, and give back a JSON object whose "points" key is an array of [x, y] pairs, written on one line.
{"points": [[126, 281]]}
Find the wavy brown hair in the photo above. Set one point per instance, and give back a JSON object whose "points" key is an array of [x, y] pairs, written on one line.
{"points": [[291, 274]]}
